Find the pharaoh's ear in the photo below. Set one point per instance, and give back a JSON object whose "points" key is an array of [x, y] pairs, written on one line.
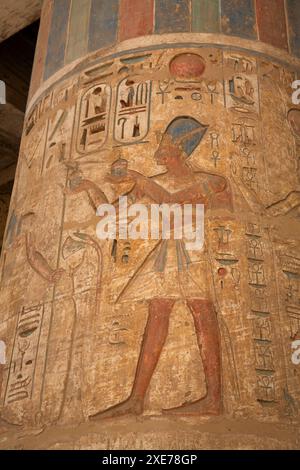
{"points": [[180, 145], [158, 136]]}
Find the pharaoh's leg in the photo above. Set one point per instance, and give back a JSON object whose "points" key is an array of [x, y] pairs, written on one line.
{"points": [[153, 341], [207, 331]]}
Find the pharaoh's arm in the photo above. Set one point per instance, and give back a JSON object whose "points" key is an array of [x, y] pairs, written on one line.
{"points": [[281, 207], [198, 192], [152, 189], [250, 197], [38, 262], [146, 186], [208, 187], [284, 206], [96, 196]]}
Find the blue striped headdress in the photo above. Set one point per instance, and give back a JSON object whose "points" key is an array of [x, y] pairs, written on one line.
{"points": [[186, 131]]}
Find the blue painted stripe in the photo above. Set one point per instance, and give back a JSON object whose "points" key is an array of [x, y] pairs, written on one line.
{"points": [[57, 37], [172, 16], [103, 24], [238, 18]]}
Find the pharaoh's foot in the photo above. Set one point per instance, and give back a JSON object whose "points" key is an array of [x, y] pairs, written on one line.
{"points": [[203, 407], [131, 406]]}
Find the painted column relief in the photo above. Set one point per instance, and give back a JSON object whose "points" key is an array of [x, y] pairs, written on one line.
{"points": [[96, 330]]}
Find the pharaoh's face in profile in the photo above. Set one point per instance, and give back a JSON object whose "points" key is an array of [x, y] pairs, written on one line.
{"points": [[180, 139], [168, 153]]}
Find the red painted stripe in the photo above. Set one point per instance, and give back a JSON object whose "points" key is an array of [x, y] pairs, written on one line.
{"points": [[136, 18], [41, 48], [271, 22]]}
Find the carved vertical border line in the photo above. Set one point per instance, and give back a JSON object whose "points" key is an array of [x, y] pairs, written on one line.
{"points": [[37, 349], [57, 261], [46, 141], [263, 153]]}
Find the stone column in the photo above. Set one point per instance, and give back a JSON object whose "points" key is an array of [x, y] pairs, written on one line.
{"points": [[165, 101]]}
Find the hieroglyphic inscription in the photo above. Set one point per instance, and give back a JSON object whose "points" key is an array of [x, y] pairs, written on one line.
{"points": [[290, 266], [23, 360], [261, 315], [93, 118], [132, 110]]}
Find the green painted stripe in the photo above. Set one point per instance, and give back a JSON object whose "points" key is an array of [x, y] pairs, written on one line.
{"points": [[206, 16], [78, 29]]}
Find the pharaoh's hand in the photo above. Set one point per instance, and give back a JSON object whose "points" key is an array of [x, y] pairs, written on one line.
{"points": [[118, 179], [273, 211], [74, 180], [284, 206], [131, 176], [138, 190]]}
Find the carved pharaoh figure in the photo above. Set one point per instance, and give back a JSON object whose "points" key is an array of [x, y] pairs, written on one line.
{"points": [[172, 264]]}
